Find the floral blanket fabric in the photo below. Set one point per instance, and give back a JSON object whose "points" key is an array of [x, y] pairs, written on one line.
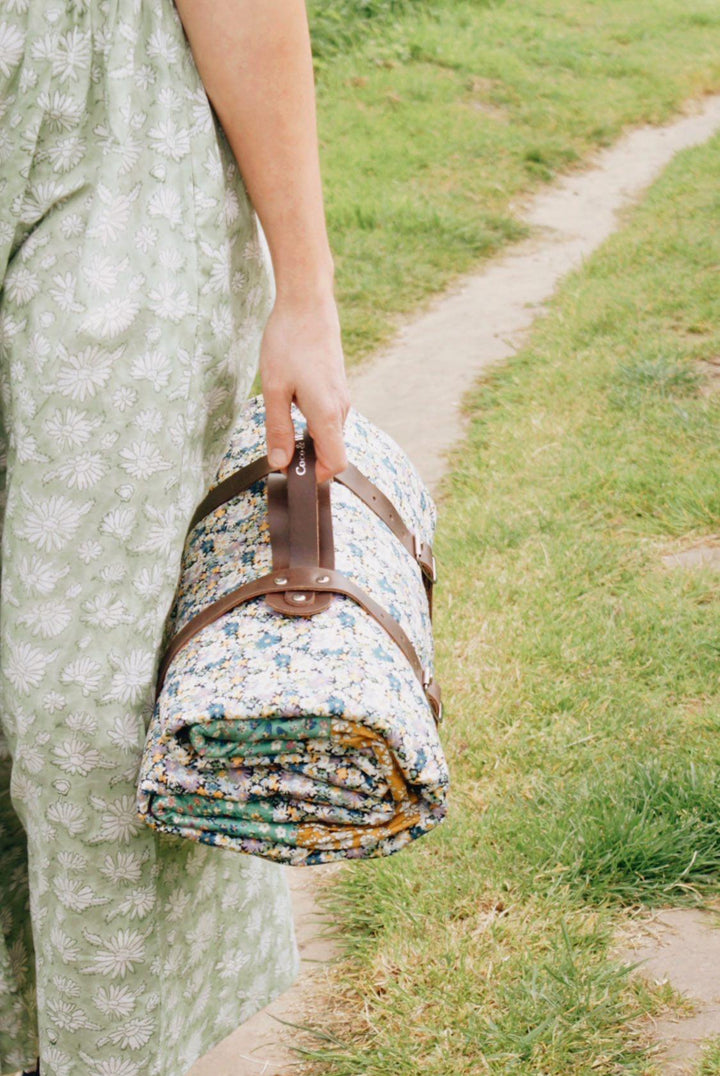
{"points": [[300, 739]]}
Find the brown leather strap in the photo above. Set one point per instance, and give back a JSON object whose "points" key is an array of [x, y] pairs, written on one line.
{"points": [[300, 580], [327, 543], [383, 507], [230, 487], [277, 507], [304, 579], [300, 523], [354, 480]]}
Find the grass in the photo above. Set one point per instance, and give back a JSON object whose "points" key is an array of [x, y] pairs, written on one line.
{"points": [[580, 678], [631, 830], [438, 117], [710, 1063], [338, 25]]}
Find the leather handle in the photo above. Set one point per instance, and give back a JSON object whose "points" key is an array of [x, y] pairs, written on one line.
{"points": [[300, 523], [240, 480]]}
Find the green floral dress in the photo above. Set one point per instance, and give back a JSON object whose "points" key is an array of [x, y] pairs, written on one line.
{"points": [[135, 285]]}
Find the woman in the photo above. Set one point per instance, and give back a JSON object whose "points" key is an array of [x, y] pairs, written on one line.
{"points": [[137, 140]]}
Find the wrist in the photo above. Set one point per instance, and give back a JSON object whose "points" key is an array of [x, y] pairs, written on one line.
{"points": [[306, 280], [305, 291]]}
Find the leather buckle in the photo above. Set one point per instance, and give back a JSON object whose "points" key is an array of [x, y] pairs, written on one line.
{"points": [[428, 570], [435, 703]]}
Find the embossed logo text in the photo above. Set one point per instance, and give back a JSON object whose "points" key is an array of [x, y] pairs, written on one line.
{"points": [[301, 467]]}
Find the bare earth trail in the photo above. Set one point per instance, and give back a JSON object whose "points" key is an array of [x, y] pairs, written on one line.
{"points": [[414, 391]]}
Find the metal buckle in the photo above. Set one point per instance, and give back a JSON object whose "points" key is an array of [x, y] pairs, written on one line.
{"points": [[427, 680], [417, 547]]}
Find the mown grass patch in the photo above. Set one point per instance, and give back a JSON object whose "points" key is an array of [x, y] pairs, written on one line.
{"points": [[438, 117], [337, 25], [630, 831], [581, 681]]}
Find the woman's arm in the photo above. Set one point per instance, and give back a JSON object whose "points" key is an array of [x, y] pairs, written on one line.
{"points": [[254, 59]]}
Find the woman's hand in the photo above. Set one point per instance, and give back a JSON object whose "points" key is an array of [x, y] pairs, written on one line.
{"points": [[301, 359]]}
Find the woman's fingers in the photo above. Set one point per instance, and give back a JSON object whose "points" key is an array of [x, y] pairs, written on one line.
{"points": [[279, 429], [325, 425], [301, 359]]}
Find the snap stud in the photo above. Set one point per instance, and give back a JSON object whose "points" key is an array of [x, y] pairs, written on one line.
{"points": [[322, 579], [281, 579], [299, 597]]}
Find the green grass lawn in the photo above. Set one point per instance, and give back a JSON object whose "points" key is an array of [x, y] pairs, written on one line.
{"points": [[439, 119], [580, 675]]}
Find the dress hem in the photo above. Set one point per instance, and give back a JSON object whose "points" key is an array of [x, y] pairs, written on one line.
{"points": [[216, 1040]]}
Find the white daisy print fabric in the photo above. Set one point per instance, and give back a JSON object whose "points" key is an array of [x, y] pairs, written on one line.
{"points": [[135, 287]]}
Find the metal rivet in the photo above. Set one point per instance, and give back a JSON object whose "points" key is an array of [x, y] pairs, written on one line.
{"points": [[281, 579], [299, 597], [322, 579]]}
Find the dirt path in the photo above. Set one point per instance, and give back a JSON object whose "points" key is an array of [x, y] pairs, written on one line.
{"points": [[682, 946], [413, 390]]}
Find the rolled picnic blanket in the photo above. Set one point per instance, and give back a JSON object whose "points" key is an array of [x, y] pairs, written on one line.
{"points": [[296, 712]]}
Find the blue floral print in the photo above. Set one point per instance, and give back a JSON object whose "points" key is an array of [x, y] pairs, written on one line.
{"points": [[300, 740]]}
